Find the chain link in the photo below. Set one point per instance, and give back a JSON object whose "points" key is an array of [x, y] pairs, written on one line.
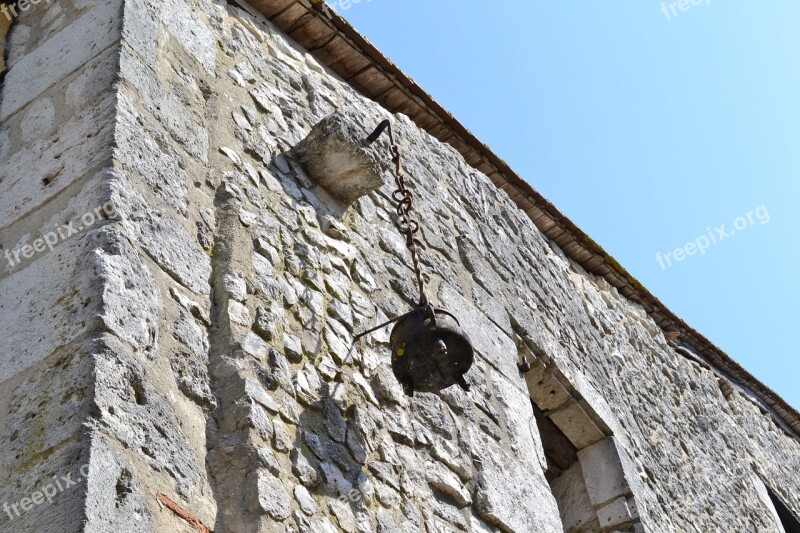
{"points": [[404, 198]]}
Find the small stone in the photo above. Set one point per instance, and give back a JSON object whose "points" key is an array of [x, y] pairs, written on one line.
{"points": [[256, 392], [388, 387], [334, 479], [270, 181], [304, 500], [235, 76], [365, 388], [386, 523], [260, 422], [238, 313], [344, 515], [250, 113], [246, 217], [263, 247], [255, 347], [315, 445], [232, 155], [342, 313], [272, 497], [265, 325], [292, 348], [281, 440], [282, 163], [290, 409], [235, 286], [241, 121], [445, 481], [327, 368], [387, 495], [337, 427], [334, 229], [268, 460]]}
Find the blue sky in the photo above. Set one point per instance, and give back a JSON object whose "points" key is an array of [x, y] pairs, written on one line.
{"points": [[648, 132]]}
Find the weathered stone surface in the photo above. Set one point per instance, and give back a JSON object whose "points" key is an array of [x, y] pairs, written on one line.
{"points": [[574, 505], [271, 496], [504, 487], [247, 402], [602, 470], [72, 47], [335, 156]]}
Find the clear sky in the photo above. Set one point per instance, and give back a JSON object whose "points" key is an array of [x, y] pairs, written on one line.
{"points": [[649, 130]]}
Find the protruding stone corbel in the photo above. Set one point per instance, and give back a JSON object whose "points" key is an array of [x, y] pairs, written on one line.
{"points": [[336, 157]]}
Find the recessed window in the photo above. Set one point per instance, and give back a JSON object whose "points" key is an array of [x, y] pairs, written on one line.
{"points": [[789, 521], [584, 468]]}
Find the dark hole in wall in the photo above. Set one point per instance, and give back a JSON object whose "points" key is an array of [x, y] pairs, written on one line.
{"points": [[789, 521], [558, 450]]}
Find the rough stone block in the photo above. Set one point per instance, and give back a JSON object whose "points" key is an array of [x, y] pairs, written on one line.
{"points": [[336, 158], [40, 316]]}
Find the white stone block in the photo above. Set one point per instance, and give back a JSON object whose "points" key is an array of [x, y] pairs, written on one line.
{"points": [[602, 470], [60, 55]]}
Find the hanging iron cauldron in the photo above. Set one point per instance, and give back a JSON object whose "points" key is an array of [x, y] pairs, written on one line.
{"points": [[430, 351]]}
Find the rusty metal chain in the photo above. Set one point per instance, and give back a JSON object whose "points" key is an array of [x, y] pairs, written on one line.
{"points": [[404, 198]]}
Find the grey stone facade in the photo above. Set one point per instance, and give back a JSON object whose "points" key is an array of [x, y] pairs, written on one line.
{"points": [[196, 339]]}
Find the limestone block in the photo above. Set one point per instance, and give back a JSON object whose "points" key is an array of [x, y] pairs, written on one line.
{"points": [[175, 116], [545, 389], [42, 306], [186, 25], [39, 120], [515, 407], [132, 410], [60, 55], [489, 341], [146, 151], [602, 470], [573, 421], [38, 172], [507, 491], [335, 157], [116, 500], [573, 501], [614, 513]]}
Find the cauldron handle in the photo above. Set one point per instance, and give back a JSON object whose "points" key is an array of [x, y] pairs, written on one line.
{"points": [[376, 328]]}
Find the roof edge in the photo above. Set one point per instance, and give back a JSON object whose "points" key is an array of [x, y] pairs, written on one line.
{"points": [[335, 43]]}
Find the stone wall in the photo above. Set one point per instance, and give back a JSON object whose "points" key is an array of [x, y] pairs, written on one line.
{"points": [[198, 343]]}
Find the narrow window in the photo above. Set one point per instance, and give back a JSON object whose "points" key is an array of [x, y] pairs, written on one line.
{"points": [[789, 521], [584, 467]]}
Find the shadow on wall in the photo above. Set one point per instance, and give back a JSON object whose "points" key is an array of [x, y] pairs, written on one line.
{"points": [[6, 20]]}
